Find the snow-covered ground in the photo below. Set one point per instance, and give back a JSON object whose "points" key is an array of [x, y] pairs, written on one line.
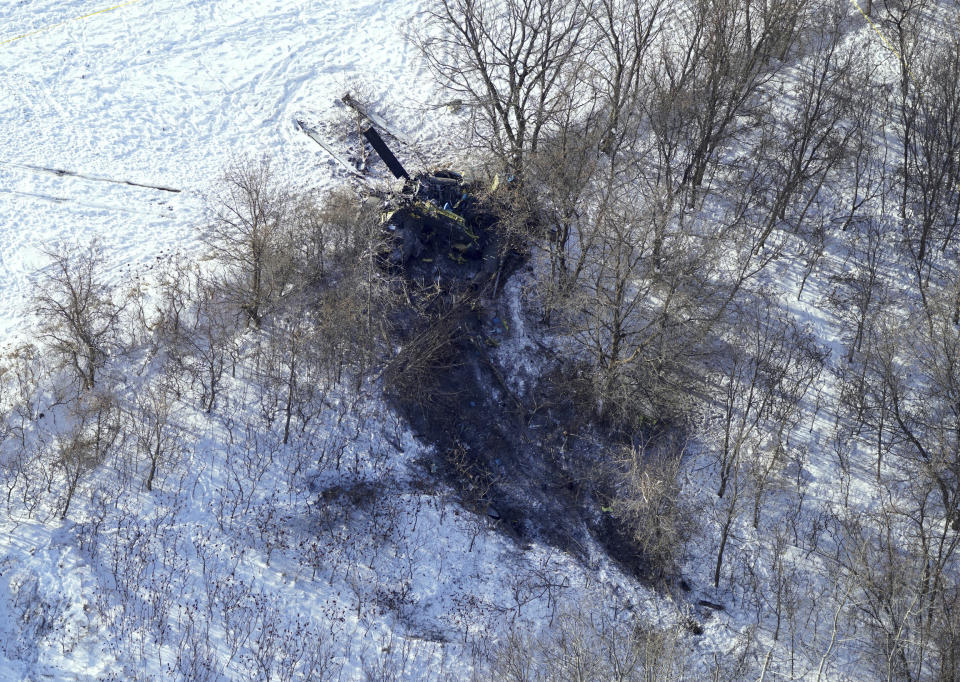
{"points": [[342, 540], [165, 93], [162, 93]]}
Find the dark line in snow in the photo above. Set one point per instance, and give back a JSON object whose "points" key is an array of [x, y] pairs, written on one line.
{"points": [[63, 200], [99, 178], [59, 200]]}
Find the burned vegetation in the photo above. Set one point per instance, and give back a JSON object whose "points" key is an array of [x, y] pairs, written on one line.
{"points": [[531, 456]]}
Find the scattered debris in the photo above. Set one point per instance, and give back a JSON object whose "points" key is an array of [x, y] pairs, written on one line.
{"points": [[316, 137], [444, 243], [399, 172], [711, 605], [373, 118]]}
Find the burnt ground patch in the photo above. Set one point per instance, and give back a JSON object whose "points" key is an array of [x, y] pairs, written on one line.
{"points": [[528, 469]]}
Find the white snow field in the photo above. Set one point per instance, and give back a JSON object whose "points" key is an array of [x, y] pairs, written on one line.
{"points": [[165, 92]]}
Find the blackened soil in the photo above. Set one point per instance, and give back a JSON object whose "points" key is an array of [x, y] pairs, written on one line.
{"points": [[523, 468]]}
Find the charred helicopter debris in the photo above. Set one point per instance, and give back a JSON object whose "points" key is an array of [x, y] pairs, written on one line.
{"points": [[440, 230], [438, 226]]}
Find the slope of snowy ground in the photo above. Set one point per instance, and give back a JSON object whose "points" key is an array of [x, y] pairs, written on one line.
{"points": [[164, 93], [353, 569]]}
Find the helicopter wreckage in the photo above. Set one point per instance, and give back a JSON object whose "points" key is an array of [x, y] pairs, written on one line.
{"points": [[438, 225]]}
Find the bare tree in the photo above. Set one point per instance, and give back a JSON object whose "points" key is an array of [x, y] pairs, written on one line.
{"points": [[153, 425], [516, 65], [645, 297], [771, 365], [932, 146], [77, 311], [816, 137], [903, 576], [250, 235], [649, 506], [913, 382], [729, 51], [626, 37], [352, 310], [291, 370], [859, 293], [413, 372], [565, 177], [95, 430], [210, 342]]}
